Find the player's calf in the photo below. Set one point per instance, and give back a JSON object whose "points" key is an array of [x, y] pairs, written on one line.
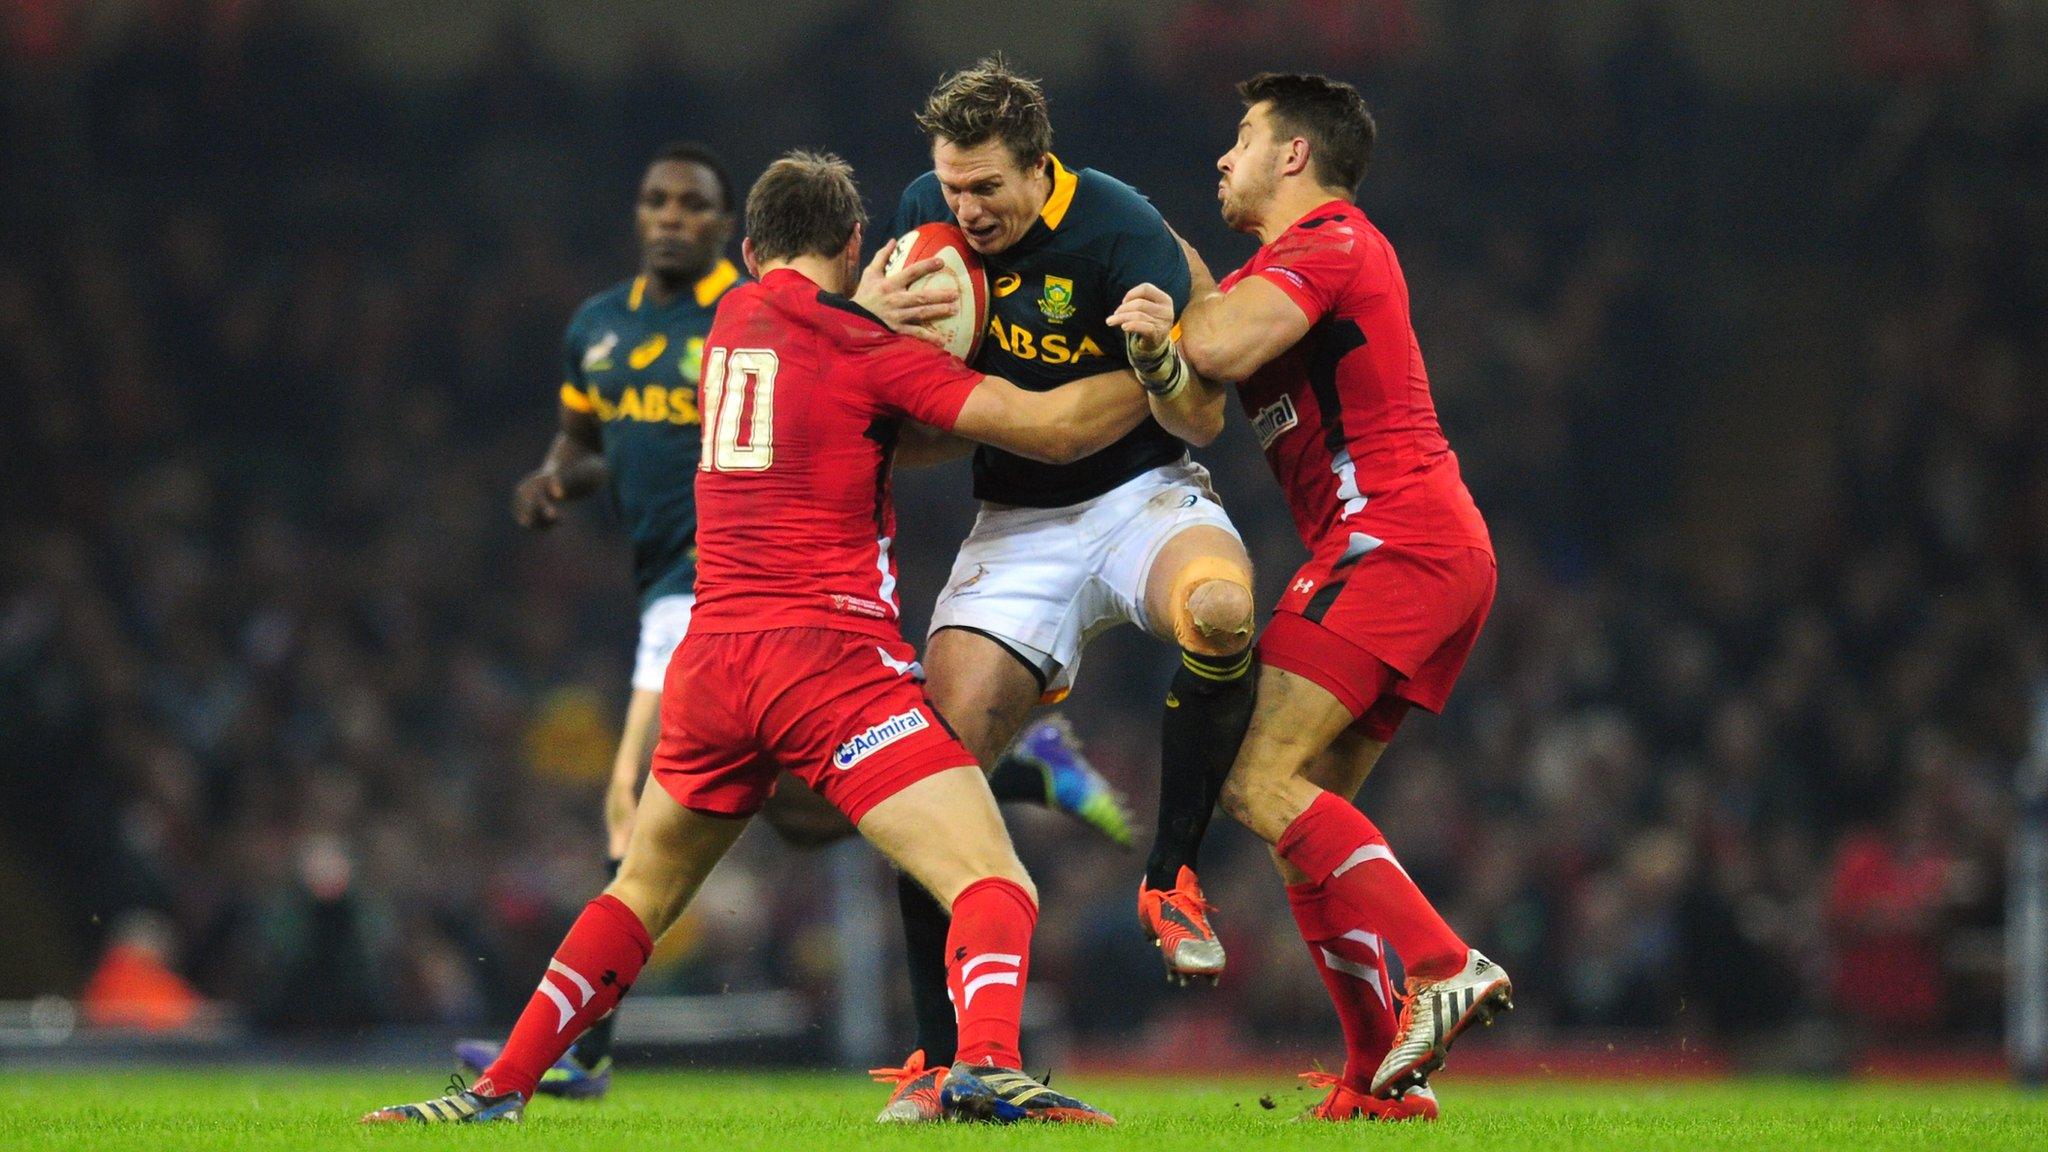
{"points": [[1205, 584]]}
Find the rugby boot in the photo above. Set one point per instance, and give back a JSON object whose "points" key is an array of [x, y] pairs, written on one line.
{"points": [[1436, 1012], [916, 1096], [1006, 1096], [1345, 1103], [462, 1105], [1178, 921], [1072, 785], [566, 1078]]}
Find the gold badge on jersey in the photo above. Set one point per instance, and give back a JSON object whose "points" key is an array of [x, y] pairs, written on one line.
{"points": [[650, 348], [1057, 302]]}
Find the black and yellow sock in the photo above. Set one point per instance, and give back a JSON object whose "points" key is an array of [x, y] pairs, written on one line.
{"points": [[1208, 708]]}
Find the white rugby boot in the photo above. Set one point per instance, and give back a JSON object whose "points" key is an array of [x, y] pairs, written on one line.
{"points": [[1433, 1014]]}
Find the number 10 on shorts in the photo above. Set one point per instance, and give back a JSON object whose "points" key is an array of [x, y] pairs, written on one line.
{"points": [[739, 398]]}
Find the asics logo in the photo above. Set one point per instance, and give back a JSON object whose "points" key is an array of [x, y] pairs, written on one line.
{"points": [[1008, 969], [865, 744]]}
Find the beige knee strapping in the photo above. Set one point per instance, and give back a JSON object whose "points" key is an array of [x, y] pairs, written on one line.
{"points": [[1209, 636]]}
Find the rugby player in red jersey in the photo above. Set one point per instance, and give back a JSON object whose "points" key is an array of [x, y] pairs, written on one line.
{"points": [[1315, 332], [795, 657]]}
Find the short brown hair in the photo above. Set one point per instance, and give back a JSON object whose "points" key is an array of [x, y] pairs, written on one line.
{"points": [[805, 204], [989, 102], [1330, 114]]}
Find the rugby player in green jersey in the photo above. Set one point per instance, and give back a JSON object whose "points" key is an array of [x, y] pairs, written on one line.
{"points": [[628, 423], [1059, 553]]}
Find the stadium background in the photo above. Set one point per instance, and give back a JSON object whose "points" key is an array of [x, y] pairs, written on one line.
{"points": [[1735, 317]]}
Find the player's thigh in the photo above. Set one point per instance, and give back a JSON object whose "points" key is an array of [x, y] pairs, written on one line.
{"points": [[981, 688], [672, 850], [1346, 764], [1295, 722], [1198, 591], [944, 831]]}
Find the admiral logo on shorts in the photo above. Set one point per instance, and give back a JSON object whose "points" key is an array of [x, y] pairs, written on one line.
{"points": [[865, 744], [1274, 419]]}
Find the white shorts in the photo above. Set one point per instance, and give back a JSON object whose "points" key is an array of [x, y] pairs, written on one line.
{"points": [[1045, 581], [663, 624]]}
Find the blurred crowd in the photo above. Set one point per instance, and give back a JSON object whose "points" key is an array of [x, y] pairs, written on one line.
{"points": [[1749, 388]]}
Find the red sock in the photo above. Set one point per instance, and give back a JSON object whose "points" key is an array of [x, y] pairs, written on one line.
{"points": [[988, 953], [1335, 845], [594, 967], [1353, 965]]}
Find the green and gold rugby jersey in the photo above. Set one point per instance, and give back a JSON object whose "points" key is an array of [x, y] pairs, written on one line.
{"points": [[634, 365], [1049, 295]]}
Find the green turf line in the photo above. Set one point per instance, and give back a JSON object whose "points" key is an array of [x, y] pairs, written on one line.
{"points": [[166, 1111]]}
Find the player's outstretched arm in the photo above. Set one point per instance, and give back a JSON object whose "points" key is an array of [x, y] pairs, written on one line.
{"points": [[1183, 401], [1069, 423], [1227, 336], [573, 468]]}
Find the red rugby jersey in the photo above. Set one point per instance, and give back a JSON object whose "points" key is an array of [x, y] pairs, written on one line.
{"points": [[802, 395], [1345, 416]]}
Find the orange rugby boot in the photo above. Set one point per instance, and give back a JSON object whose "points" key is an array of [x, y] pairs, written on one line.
{"points": [[1343, 1103], [1178, 921], [916, 1096]]}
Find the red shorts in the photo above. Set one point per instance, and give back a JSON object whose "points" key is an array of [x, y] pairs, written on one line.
{"points": [[846, 712], [1382, 628]]}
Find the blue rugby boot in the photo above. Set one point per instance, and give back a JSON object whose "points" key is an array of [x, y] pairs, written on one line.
{"points": [[1006, 1096], [462, 1105], [1072, 785]]}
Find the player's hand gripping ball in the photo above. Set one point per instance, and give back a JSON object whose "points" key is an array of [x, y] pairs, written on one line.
{"points": [[962, 331]]}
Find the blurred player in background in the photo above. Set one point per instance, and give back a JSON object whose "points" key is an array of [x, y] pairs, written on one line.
{"points": [[629, 421], [795, 659], [1315, 331], [1061, 552]]}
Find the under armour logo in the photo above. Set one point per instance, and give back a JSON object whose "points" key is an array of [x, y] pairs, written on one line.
{"points": [[610, 978], [959, 954], [1303, 585], [1481, 965]]}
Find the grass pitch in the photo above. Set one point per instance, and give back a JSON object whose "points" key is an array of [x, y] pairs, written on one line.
{"points": [[163, 1111]]}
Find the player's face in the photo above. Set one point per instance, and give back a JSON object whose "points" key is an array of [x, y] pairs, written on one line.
{"points": [[682, 219], [993, 197], [1251, 170]]}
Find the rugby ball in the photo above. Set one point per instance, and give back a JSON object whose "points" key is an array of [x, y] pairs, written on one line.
{"points": [[963, 329]]}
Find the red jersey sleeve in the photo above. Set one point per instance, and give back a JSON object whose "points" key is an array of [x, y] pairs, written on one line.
{"points": [[1315, 265], [911, 378]]}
